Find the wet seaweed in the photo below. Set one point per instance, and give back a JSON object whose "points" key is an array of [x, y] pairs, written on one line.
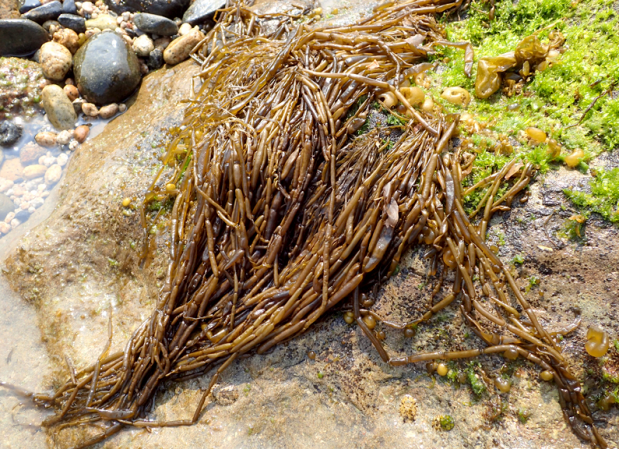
{"points": [[280, 212]]}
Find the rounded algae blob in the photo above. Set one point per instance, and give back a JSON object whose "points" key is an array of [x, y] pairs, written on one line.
{"points": [[573, 159], [349, 317], [502, 385], [442, 369], [370, 322], [546, 375], [537, 135], [598, 342], [456, 95]]}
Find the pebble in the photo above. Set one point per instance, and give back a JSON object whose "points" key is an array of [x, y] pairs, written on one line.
{"points": [[122, 107], [20, 37], [106, 69], [30, 153], [166, 8], [90, 109], [180, 48], [102, 22], [64, 137], [48, 161], [77, 105], [162, 43], [81, 133], [53, 174], [68, 7], [23, 213], [6, 206], [73, 22], [108, 111], [34, 171], [12, 170], [55, 60], [62, 159], [5, 228], [46, 139], [154, 24], [184, 29], [71, 92], [73, 145], [5, 184], [143, 45], [91, 32], [58, 108], [49, 11], [88, 7], [27, 5], [202, 10], [67, 38], [9, 133], [156, 59]]}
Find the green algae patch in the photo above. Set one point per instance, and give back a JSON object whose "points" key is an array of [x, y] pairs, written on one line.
{"points": [[571, 100], [603, 198]]}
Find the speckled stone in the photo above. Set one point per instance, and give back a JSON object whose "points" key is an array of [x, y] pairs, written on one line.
{"points": [[9, 133], [106, 69], [58, 107]]}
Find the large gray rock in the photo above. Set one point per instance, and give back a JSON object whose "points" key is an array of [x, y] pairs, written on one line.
{"points": [[20, 37], [9, 133], [166, 8], [202, 10], [106, 69]]}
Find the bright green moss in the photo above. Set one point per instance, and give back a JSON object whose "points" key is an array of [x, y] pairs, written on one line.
{"points": [[556, 97], [604, 197]]}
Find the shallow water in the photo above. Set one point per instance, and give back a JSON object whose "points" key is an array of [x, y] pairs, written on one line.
{"points": [[24, 362]]}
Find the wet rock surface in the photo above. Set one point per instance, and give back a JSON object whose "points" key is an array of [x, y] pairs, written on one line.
{"points": [[48, 11], [166, 8], [73, 22], [152, 23], [106, 69], [20, 37], [202, 10], [27, 5]]}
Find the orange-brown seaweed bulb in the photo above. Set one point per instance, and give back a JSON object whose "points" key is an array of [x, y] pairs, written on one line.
{"points": [[598, 342]]}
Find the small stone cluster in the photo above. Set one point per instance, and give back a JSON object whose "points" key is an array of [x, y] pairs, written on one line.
{"points": [[78, 61]]}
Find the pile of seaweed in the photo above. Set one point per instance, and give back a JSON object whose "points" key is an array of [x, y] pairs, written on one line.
{"points": [[281, 212]]}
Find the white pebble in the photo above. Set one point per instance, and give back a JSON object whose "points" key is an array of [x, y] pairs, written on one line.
{"points": [[5, 184], [184, 29], [143, 46], [37, 202], [126, 16], [88, 7], [122, 107], [41, 187], [62, 159], [72, 147], [64, 137], [5, 228], [53, 174], [15, 223]]}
